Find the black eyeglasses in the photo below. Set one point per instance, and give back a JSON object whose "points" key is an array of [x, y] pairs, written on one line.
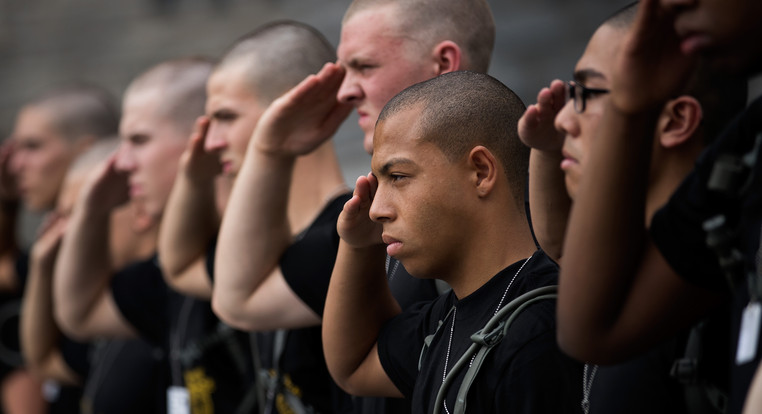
{"points": [[579, 94]]}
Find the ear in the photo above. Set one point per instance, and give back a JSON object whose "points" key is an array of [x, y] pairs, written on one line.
{"points": [[485, 170], [679, 121], [447, 57]]}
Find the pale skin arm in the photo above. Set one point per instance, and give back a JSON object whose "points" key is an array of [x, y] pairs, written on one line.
{"points": [[250, 291], [618, 296], [359, 301], [85, 307], [190, 218], [549, 202], [753, 403], [40, 335]]}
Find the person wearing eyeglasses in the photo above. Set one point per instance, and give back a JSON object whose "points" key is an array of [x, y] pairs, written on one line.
{"points": [[561, 129]]}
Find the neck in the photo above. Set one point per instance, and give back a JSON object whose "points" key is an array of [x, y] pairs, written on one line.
{"points": [[316, 179], [492, 246], [673, 167]]}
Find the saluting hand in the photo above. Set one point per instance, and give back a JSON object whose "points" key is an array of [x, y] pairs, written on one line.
{"points": [[354, 225], [304, 117], [536, 126]]}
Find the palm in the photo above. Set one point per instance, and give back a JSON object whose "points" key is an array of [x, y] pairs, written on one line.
{"points": [[355, 226], [198, 163], [107, 188], [305, 117], [536, 126]]}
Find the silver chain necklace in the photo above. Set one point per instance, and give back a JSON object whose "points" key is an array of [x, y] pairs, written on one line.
{"points": [[588, 375], [452, 327]]}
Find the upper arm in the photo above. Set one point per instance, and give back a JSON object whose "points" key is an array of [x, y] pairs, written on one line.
{"points": [[370, 379], [191, 281], [103, 319], [273, 305]]}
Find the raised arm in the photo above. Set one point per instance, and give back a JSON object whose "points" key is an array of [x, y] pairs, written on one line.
{"points": [[191, 219], [359, 301], [250, 291], [85, 307], [40, 335], [618, 296], [549, 201]]}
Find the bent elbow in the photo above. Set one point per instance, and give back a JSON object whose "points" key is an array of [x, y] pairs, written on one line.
{"points": [[230, 313], [73, 325]]}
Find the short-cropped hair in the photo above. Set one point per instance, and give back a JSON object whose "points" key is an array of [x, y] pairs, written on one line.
{"points": [[468, 23], [182, 85], [79, 110], [464, 109], [279, 55]]}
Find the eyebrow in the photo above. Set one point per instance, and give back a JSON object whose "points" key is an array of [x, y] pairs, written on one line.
{"points": [[384, 170], [583, 75], [354, 62]]}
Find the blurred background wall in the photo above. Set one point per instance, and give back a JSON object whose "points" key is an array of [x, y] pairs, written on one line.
{"points": [[44, 43]]}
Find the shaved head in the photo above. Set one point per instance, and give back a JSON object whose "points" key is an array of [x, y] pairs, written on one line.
{"points": [[181, 83], [460, 110], [80, 110], [277, 56], [468, 23]]}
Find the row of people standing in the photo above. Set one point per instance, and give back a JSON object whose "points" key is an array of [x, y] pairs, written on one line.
{"points": [[446, 198]]}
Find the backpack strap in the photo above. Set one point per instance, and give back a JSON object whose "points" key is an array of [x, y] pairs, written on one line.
{"points": [[427, 341], [484, 341]]}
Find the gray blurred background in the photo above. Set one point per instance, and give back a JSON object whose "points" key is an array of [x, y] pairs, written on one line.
{"points": [[45, 43]]}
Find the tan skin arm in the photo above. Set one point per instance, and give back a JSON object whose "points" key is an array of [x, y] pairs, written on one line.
{"points": [[40, 335], [359, 301], [190, 218], [618, 296], [85, 307], [549, 202], [250, 291]]}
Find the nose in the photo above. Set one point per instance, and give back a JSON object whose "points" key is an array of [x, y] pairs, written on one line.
{"points": [[566, 120], [215, 137], [125, 159], [350, 91], [381, 209]]}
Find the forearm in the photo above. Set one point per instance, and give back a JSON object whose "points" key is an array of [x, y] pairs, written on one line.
{"points": [[359, 302], [83, 268], [606, 233], [40, 335], [254, 232], [549, 202], [189, 223]]}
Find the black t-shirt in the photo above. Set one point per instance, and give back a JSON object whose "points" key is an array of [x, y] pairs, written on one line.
{"points": [[307, 266], [678, 233], [297, 362], [127, 377], [641, 385], [66, 398], [308, 263], [211, 360], [525, 373]]}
